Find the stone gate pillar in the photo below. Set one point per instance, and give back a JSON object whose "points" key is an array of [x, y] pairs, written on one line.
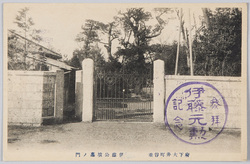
{"points": [[88, 83], [59, 96], [159, 91]]}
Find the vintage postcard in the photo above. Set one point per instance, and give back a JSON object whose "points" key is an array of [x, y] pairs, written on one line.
{"points": [[125, 82]]}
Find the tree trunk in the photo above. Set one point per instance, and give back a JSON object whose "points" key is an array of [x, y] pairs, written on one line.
{"points": [[185, 38], [109, 42], [206, 17], [223, 66], [206, 66]]}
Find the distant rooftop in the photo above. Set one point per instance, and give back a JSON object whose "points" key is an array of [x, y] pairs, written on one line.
{"points": [[38, 48]]}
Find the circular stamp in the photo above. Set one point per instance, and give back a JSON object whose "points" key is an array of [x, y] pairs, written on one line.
{"points": [[196, 112]]}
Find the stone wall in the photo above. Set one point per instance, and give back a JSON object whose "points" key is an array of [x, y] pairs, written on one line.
{"points": [[28, 95], [25, 91], [229, 87]]}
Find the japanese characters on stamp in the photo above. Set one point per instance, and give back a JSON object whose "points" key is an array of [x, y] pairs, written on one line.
{"points": [[196, 112]]}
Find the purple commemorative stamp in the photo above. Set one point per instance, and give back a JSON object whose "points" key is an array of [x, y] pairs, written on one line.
{"points": [[196, 112]]}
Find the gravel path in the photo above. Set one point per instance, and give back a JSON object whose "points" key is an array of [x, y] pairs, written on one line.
{"points": [[119, 136]]}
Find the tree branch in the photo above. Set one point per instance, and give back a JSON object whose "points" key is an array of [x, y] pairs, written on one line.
{"points": [[152, 36], [102, 42]]}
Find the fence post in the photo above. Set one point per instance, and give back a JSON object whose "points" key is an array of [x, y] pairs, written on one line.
{"points": [[79, 95], [88, 83], [59, 96], [159, 91]]}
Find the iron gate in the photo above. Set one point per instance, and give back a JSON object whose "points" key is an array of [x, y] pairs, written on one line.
{"points": [[123, 96]]}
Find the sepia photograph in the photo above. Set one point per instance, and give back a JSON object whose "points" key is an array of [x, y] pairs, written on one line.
{"points": [[124, 82]]}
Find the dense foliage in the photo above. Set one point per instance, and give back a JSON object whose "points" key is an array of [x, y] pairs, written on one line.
{"points": [[217, 49], [216, 46]]}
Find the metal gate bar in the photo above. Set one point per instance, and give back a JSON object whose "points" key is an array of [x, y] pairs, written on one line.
{"points": [[120, 96]]}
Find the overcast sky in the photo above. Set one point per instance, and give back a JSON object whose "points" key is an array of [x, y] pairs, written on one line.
{"points": [[62, 22]]}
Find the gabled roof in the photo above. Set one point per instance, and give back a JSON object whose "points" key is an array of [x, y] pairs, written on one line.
{"points": [[51, 56], [56, 63], [39, 48]]}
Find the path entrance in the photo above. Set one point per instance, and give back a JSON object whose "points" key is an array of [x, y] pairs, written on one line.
{"points": [[121, 96]]}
